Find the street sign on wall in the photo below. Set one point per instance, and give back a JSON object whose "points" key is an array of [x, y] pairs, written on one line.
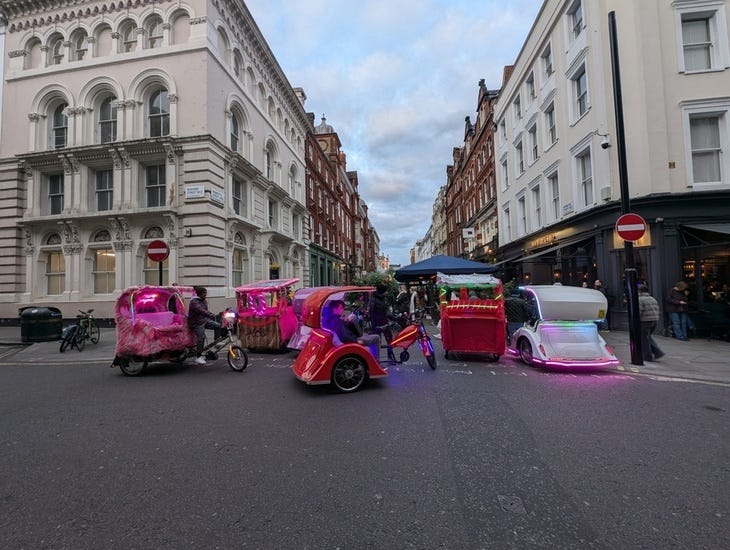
{"points": [[630, 227]]}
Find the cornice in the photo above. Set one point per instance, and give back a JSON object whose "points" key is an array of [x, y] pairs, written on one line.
{"points": [[26, 14]]}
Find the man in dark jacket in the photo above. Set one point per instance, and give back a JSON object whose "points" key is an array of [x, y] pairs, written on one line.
{"points": [[199, 319], [517, 313], [379, 311], [676, 305]]}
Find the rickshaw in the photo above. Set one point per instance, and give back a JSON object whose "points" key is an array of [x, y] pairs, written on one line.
{"points": [[301, 334], [326, 360], [266, 320], [472, 315], [563, 332], [151, 325]]}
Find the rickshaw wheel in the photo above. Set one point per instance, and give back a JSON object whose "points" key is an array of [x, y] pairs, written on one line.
{"points": [[133, 367], [431, 357], [237, 358], [349, 373], [525, 351], [404, 356]]}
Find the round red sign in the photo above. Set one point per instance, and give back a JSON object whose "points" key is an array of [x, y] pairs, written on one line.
{"points": [[158, 251], [630, 227]]}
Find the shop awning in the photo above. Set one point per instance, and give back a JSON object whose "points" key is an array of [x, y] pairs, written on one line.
{"points": [[706, 234]]}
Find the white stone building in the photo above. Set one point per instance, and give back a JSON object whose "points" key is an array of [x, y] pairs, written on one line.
{"points": [[126, 122], [557, 157]]}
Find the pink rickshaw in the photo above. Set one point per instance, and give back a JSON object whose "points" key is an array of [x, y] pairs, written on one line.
{"points": [[151, 325], [266, 319]]}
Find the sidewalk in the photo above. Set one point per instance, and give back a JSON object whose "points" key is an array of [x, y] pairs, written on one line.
{"points": [[698, 359]]}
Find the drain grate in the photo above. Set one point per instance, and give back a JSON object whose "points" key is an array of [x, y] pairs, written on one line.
{"points": [[511, 504]]}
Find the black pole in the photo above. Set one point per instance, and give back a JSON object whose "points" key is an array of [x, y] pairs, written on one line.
{"points": [[159, 271], [632, 296]]}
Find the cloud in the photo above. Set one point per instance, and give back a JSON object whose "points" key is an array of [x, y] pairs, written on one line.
{"points": [[395, 79]]}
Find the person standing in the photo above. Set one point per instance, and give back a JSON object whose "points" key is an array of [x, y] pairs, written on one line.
{"points": [[199, 319], [517, 313], [676, 305], [378, 312], [648, 315], [402, 301]]}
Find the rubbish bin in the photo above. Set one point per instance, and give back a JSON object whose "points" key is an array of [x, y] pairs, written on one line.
{"points": [[40, 324]]}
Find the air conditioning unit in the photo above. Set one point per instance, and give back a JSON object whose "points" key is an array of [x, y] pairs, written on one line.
{"points": [[606, 193]]}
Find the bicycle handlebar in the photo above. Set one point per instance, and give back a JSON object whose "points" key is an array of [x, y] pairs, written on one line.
{"points": [[86, 313]]}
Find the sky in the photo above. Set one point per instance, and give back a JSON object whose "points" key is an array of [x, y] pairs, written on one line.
{"points": [[395, 78]]}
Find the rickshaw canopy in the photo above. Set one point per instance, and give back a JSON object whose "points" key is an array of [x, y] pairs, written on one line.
{"points": [[568, 303], [269, 285], [312, 310]]}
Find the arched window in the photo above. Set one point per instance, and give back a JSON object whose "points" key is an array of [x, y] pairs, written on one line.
{"points": [[56, 50], [269, 163], [59, 127], [55, 272], [180, 31], [237, 65], [102, 41], [108, 120], [33, 54], [239, 265], [79, 45], [154, 32], [223, 46], [159, 114], [292, 180], [235, 133], [128, 37]]}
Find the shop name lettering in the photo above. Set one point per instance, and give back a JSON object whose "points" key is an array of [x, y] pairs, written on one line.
{"points": [[542, 241]]}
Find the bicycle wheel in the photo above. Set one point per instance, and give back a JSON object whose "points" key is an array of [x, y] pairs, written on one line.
{"points": [[431, 356], [94, 333], [133, 366], [68, 339], [80, 339], [237, 358]]}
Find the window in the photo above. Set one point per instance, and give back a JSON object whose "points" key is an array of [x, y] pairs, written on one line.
{"points": [[128, 36], [532, 138], [269, 164], [159, 114], [519, 158], [552, 136], [235, 133], [530, 85], [706, 149], [522, 214], [554, 189], [547, 61], [151, 272], [292, 181], [537, 203], [505, 175], [585, 177], [56, 50], [55, 273], [580, 85], [103, 271], [155, 185], [237, 267], [575, 17], [702, 35], [296, 226], [108, 120], [79, 46], [55, 194], [59, 126], [104, 191], [237, 196], [273, 214], [154, 32], [507, 225], [517, 109]]}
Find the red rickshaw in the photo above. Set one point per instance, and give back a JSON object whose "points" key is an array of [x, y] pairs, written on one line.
{"points": [[472, 314], [326, 360], [266, 320]]}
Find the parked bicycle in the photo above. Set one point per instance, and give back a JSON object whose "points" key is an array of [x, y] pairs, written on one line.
{"points": [[85, 329]]}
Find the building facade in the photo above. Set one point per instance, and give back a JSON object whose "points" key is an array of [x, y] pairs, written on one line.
{"points": [[559, 192], [127, 123]]}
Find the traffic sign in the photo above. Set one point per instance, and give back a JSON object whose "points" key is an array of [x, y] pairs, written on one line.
{"points": [[158, 251], [630, 227]]}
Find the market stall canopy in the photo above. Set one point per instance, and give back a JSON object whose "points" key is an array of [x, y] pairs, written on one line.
{"points": [[441, 264]]}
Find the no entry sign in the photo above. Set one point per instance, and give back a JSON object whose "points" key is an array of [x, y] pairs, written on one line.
{"points": [[630, 227], [158, 251]]}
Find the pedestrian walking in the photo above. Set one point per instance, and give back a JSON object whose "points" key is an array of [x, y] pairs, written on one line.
{"points": [[649, 316], [676, 305]]}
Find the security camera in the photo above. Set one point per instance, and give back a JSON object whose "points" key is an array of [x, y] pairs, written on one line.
{"points": [[605, 142]]}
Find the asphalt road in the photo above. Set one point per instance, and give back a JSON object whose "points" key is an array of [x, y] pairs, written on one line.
{"points": [[468, 456]]}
